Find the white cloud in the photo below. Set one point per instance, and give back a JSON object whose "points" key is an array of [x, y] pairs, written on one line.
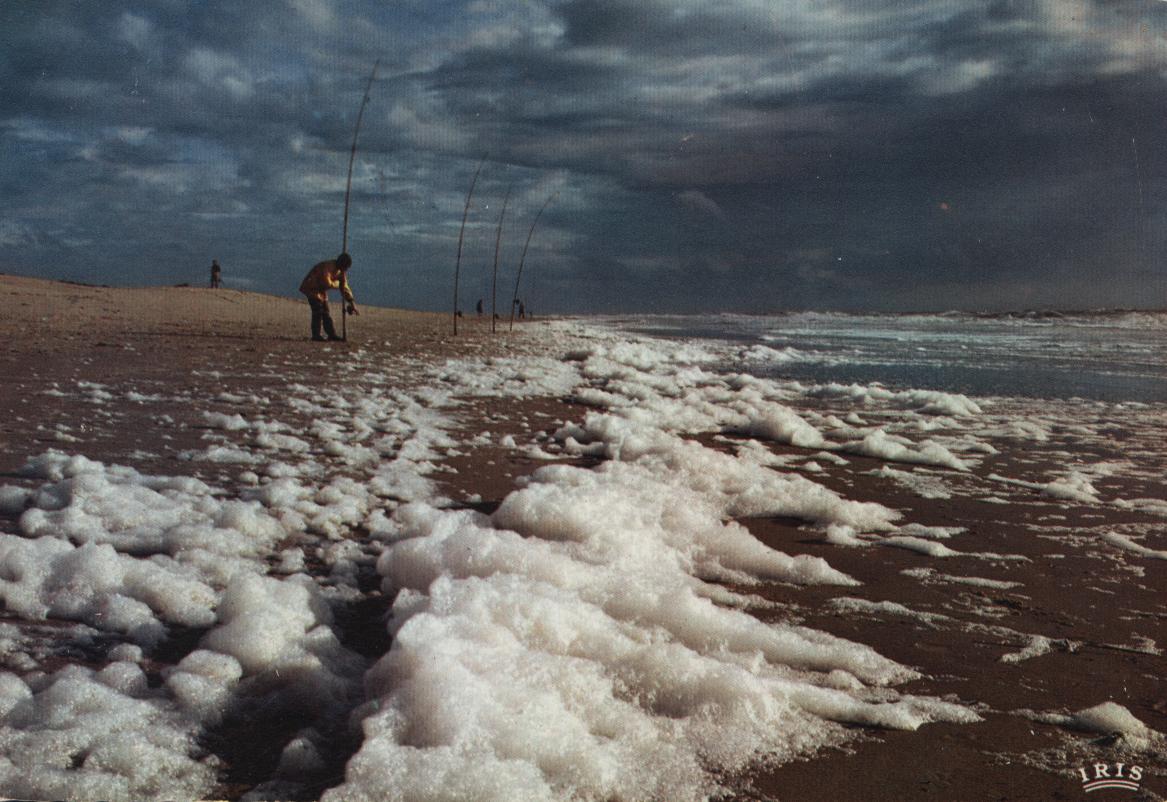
{"points": [[134, 30], [186, 177], [960, 77], [34, 131], [319, 14], [431, 130], [15, 234], [695, 199], [131, 134], [176, 178], [219, 71]]}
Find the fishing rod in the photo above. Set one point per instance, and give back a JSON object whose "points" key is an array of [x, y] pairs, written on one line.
{"points": [[523, 258], [347, 192], [461, 233], [494, 277]]}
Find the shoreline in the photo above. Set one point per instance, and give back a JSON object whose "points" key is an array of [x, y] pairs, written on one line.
{"points": [[142, 400]]}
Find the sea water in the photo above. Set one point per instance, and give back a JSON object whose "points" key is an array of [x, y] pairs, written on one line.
{"points": [[1104, 356]]}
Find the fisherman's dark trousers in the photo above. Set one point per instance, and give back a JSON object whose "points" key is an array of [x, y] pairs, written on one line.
{"points": [[321, 315]]}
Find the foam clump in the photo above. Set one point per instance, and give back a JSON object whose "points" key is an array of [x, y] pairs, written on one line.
{"points": [[921, 545], [500, 687], [899, 449], [56, 465], [781, 424], [625, 515], [278, 631], [580, 642], [764, 353], [1126, 544], [13, 691], [1074, 486], [94, 584], [301, 756], [230, 423], [88, 502], [260, 619], [137, 555], [568, 645], [202, 683], [13, 500], [87, 735], [650, 586], [929, 402], [741, 486], [1110, 717]]}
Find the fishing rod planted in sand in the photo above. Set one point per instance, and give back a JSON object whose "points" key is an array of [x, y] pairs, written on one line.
{"points": [[523, 258], [461, 233], [494, 276], [347, 193]]}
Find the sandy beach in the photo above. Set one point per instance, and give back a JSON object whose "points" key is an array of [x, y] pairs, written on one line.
{"points": [[1034, 618]]}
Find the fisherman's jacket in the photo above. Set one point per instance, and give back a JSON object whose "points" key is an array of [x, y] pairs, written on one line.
{"points": [[324, 277]]}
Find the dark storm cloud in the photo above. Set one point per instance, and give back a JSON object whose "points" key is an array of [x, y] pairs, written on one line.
{"points": [[748, 155], [678, 31]]}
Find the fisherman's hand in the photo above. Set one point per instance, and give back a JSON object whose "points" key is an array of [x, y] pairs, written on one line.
{"points": [[352, 309]]}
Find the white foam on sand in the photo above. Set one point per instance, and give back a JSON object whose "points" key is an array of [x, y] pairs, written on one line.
{"points": [[629, 673], [1031, 645], [930, 402], [1151, 506], [740, 485], [175, 517], [900, 449], [921, 545], [932, 575], [1107, 718], [81, 734], [624, 678], [923, 485], [581, 642], [1036, 647], [1126, 544], [50, 578], [138, 555], [854, 605], [1071, 487]]}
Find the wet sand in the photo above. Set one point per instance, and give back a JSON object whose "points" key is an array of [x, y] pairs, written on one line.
{"points": [[1103, 611]]}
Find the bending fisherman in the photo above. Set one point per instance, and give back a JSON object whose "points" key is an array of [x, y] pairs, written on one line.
{"points": [[325, 276]]}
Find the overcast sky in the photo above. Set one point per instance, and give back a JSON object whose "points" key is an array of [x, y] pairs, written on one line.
{"points": [[703, 155]]}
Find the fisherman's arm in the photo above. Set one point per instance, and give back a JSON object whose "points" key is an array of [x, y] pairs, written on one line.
{"points": [[347, 292]]}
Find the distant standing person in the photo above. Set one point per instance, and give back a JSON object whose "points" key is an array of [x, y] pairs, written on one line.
{"points": [[216, 274], [325, 276], [478, 307]]}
